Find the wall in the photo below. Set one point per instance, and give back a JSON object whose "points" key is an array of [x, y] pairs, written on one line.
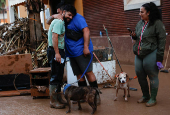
{"points": [[79, 6], [7, 5], [122, 45], [23, 11], [111, 13], [46, 25]]}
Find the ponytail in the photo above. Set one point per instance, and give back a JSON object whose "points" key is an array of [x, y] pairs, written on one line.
{"points": [[154, 12]]}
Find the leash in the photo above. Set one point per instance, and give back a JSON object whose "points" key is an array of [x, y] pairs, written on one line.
{"points": [[112, 47], [116, 76], [68, 85], [103, 67]]}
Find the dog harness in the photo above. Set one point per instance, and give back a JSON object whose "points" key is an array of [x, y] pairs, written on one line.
{"points": [[68, 85]]}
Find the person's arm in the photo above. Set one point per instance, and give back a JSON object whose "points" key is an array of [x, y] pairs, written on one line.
{"points": [[49, 20], [86, 35], [161, 40], [55, 45], [133, 35], [56, 31], [55, 16]]}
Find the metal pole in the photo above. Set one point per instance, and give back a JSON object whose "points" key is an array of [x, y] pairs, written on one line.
{"points": [[112, 47], [3, 15]]}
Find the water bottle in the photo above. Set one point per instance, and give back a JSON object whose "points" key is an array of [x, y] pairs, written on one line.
{"points": [[100, 34], [62, 60]]}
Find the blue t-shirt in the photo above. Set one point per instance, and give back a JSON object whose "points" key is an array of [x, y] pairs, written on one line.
{"points": [[75, 48]]}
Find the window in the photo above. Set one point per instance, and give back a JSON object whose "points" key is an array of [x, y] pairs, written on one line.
{"points": [[134, 4], [3, 14]]}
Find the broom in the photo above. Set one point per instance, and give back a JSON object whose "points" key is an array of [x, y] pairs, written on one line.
{"points": [[164, 70]]}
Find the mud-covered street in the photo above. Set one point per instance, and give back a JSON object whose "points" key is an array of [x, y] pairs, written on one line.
{"points": [[25, 105]]}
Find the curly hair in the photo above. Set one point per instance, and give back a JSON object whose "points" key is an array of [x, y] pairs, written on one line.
{"points": [[70, 8], [154, 12]]}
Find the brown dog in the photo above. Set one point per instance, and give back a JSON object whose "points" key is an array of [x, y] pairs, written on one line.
{"points": [[122, 83], [78, 93]]}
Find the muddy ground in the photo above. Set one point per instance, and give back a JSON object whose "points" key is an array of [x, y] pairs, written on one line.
{"points": [[25, 105]]}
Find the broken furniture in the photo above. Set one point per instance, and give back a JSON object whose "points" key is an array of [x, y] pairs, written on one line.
{"points": [[39, 81], [14, 72]]}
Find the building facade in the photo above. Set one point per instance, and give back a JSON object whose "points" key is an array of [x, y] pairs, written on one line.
{"points": [[116, 15]]}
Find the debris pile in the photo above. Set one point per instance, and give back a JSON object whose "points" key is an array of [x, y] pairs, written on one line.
{"points": [[15, 39]]}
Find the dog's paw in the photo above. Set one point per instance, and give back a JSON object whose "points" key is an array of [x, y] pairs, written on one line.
{"points": [[126, 99], [115, 99], [128, 95]]}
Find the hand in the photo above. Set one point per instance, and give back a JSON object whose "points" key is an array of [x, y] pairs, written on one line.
{"points": [[58, 58], [86, 51], [159, 64], [57, 16], [133, 34]]}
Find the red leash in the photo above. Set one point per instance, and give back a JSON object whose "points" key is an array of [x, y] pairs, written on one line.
{"points": [[103, 66]]}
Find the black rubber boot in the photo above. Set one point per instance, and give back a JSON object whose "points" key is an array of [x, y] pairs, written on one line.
{"points": [[93, 84], [82, 83]]}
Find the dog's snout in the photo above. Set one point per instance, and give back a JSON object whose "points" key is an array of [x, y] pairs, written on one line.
{"points": [[123, 81]]}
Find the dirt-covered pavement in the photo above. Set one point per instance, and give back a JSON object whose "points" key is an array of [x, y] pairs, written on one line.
{"points": [[25, 105]]}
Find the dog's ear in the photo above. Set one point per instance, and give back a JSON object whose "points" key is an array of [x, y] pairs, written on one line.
{"points": [[117, 79], [127, 77]]}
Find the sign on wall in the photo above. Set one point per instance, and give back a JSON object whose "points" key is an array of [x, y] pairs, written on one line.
{"points": [[135, 4]]}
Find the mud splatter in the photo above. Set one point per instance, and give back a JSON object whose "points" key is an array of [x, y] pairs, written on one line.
{"points": [[11, 63], [10, 71], [16, 58], [9, 57], [27, 67], [22, 56]]}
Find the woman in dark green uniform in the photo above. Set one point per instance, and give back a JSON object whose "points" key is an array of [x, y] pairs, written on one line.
{"points": [[149, 48]]}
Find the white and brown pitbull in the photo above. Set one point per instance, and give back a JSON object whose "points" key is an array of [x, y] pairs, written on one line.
{"points": [[122, 83]]}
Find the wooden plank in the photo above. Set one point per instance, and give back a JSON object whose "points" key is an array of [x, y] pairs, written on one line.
{"points": [[15, 93], [41, 70]]}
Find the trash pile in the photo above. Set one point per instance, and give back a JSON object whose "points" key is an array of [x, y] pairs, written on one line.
{"points": [[14, 39]]}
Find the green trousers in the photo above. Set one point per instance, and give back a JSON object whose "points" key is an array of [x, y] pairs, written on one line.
{"points": [[147, 67]]}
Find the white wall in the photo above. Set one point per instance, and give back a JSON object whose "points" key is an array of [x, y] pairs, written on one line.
{"points": [[98, 70]]}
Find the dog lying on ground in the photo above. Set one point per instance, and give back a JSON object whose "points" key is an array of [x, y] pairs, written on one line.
{"points": [[122, 83], [78, 93]]}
